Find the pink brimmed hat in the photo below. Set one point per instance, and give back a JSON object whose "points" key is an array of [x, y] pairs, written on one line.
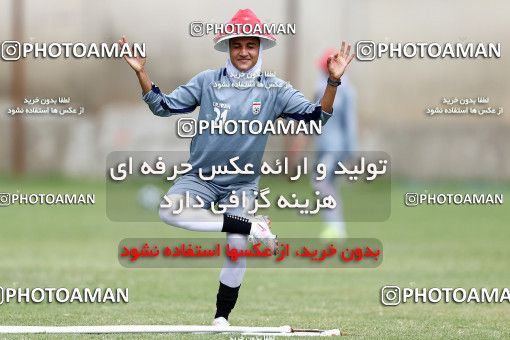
{"points": [[244, 24]]}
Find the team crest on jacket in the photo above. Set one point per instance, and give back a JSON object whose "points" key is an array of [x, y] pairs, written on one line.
{"points": [[255, 107]]}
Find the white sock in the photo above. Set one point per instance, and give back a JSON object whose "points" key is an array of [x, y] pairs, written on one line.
{"points": [[232, 273], [190, 218]]}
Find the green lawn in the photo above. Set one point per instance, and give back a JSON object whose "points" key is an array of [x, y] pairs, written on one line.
{"points": [[429, 246]]}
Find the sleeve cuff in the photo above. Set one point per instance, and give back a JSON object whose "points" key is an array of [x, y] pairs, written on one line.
{"points": [[149, 96], [325, 116], [328, 114]]}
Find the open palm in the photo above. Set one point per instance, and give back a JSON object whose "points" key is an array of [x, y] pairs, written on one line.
{"points": [[136, 62], [337, 63]]}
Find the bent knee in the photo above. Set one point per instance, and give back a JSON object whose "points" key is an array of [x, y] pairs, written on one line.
{"points": [[168, 207]]}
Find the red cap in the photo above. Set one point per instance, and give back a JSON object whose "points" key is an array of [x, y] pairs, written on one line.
{"points": [[323, 60]]}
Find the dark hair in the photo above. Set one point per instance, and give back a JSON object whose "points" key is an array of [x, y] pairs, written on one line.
{"points": [[230, 40]]}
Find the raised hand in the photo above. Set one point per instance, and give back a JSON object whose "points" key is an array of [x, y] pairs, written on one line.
{"points": [[337, 63], [136, 62]]}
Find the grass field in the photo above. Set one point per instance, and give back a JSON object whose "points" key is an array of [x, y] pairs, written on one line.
{"points": [[426, 246]]}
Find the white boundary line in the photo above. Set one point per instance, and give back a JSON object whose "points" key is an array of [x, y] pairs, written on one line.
{"points": [[272, 331]]}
